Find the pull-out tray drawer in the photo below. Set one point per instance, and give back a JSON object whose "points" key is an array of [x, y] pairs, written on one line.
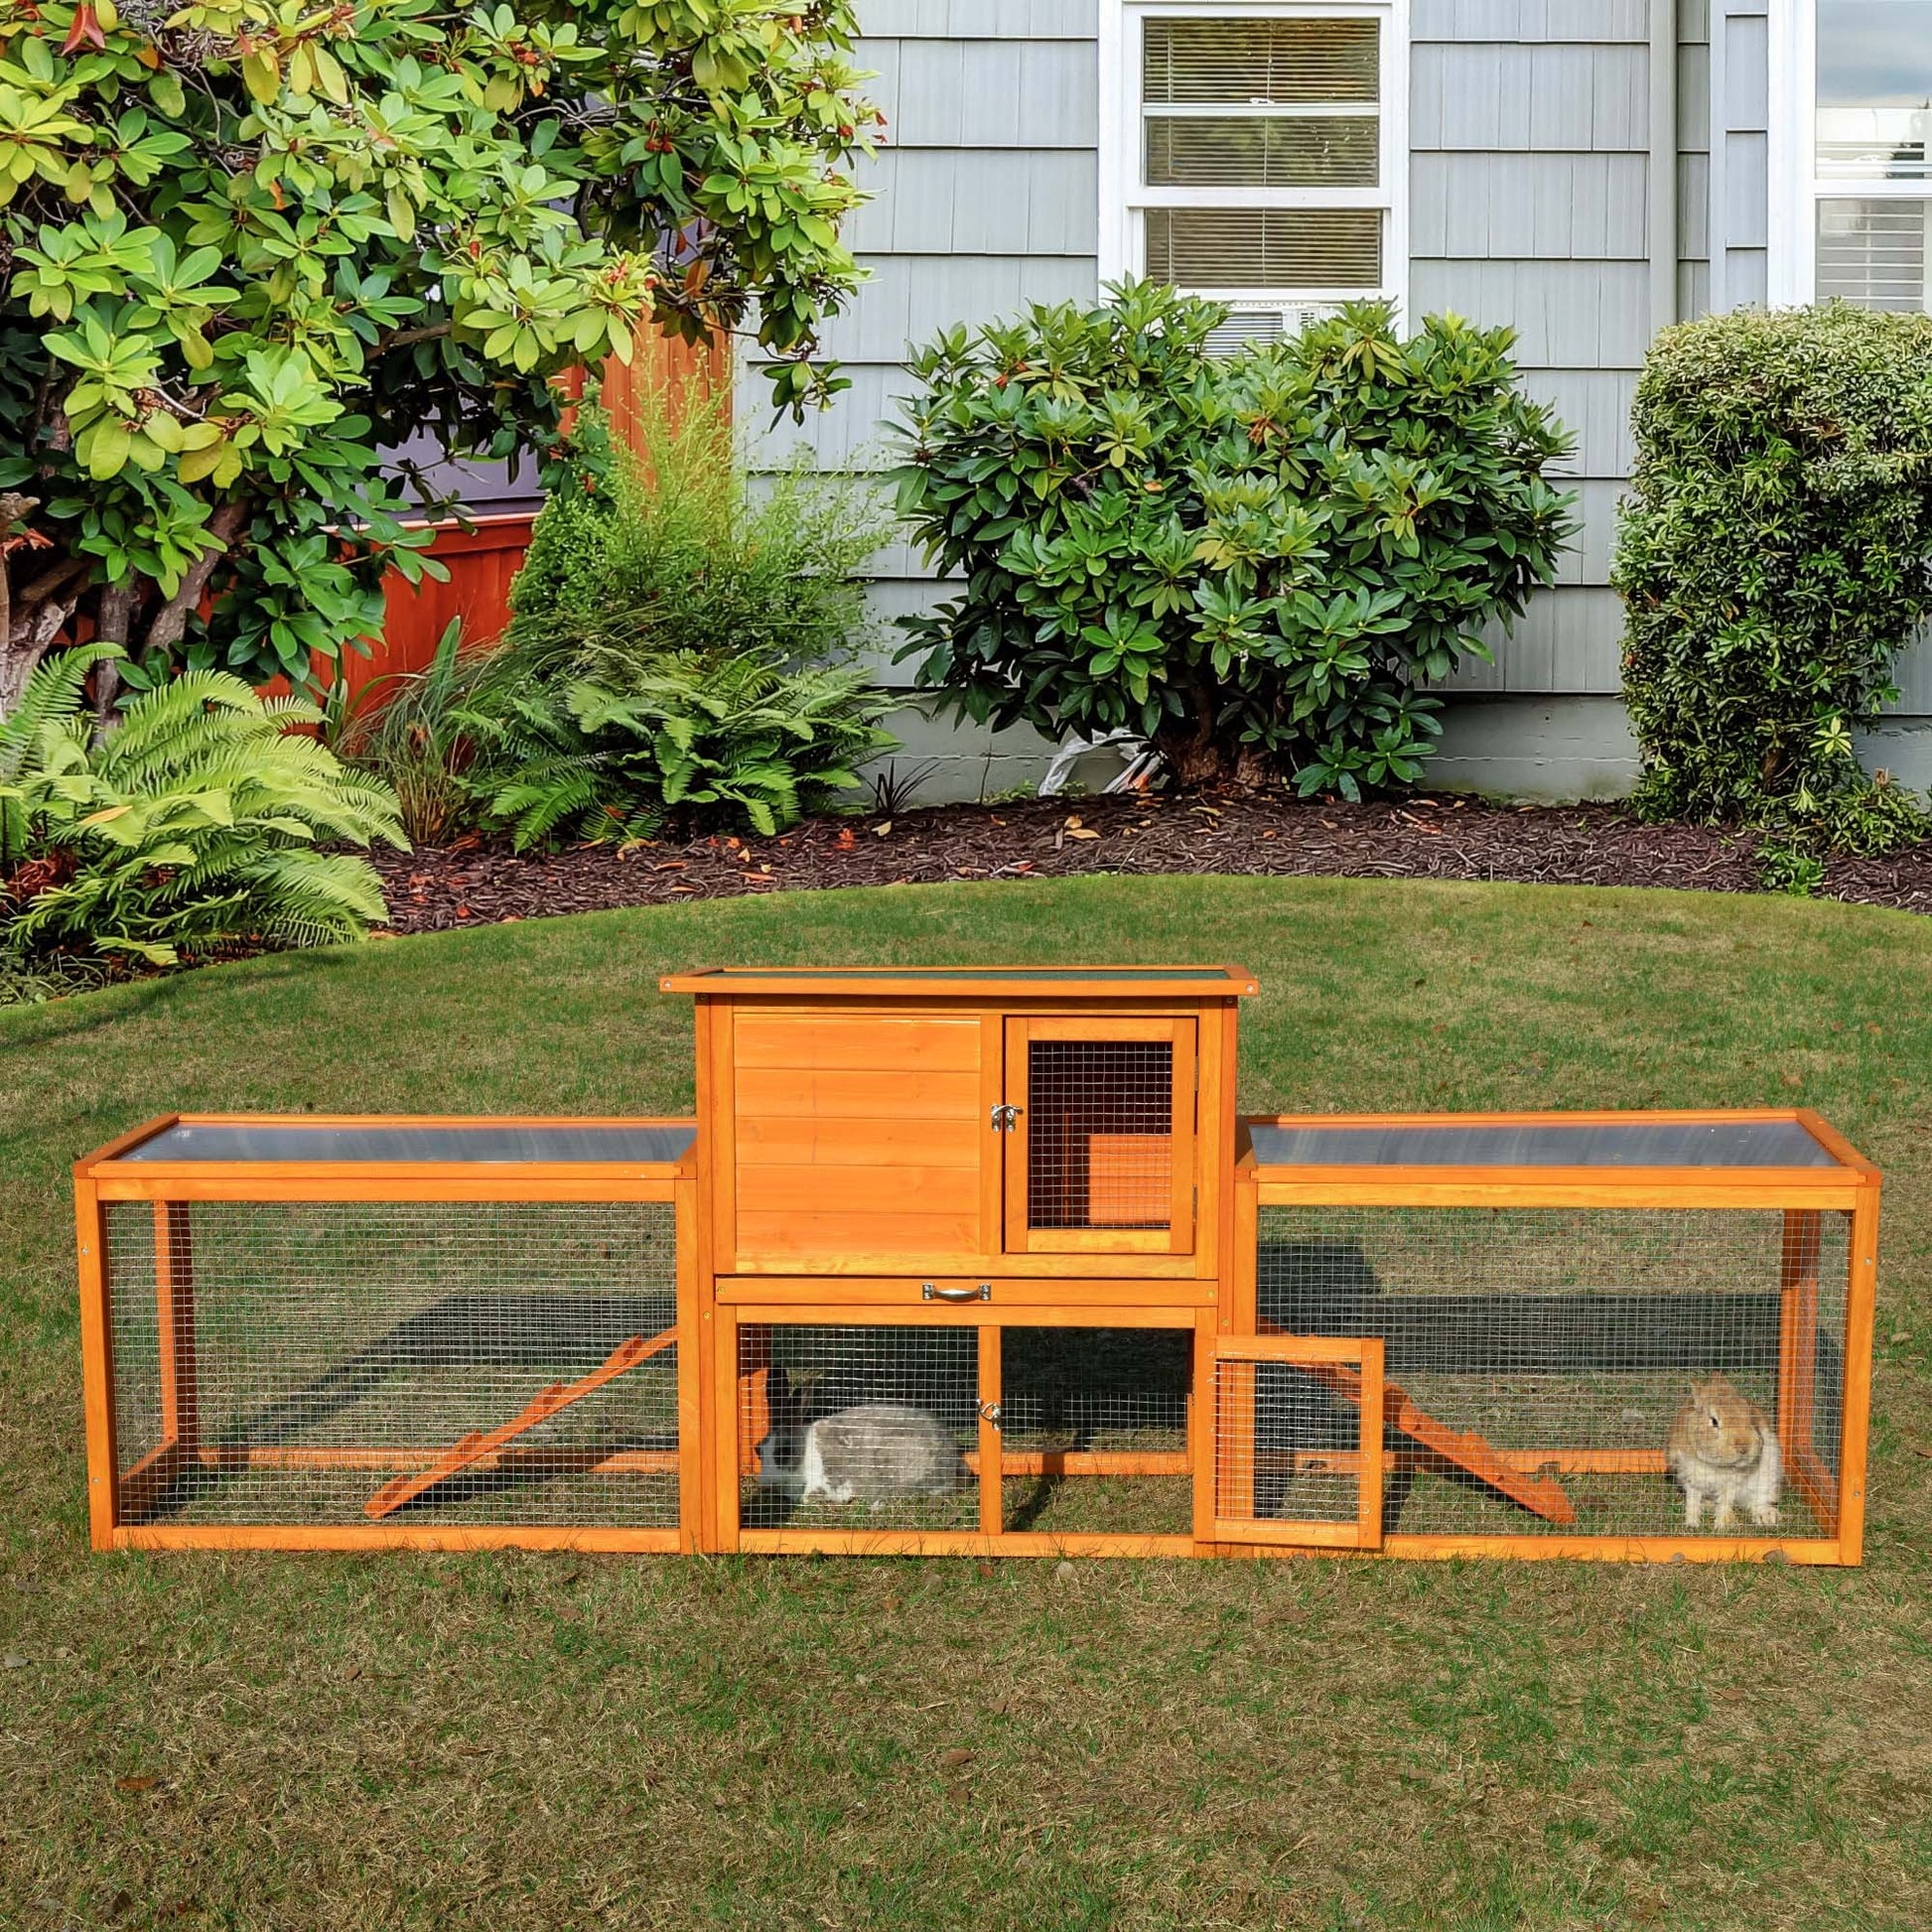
{"points": [[963, 1292]]}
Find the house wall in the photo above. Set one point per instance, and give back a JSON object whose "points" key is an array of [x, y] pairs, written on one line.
{"points": [[1529, 169]]}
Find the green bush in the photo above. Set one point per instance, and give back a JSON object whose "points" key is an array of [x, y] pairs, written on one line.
{"points": [[682, 645], [740, 738], [668, 545], [1257, 562], [567, 563], [193, 827], [1773, 558]]}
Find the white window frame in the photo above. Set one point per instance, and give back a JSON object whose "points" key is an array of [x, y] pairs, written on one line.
{"points": [[1124, 199], [1796, 189]]}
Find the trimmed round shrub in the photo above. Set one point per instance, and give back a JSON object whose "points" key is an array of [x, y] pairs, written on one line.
{"points": [[1773, 559], [1258, 561]]}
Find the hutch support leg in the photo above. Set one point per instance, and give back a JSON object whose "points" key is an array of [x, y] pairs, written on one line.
{"points": [[1861, 1302], [992, 1474], [96, 1366], [731, 1453], [693, 1457]]}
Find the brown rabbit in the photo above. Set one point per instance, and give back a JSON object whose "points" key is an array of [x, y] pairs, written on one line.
{"points": [[1725, 1448]]}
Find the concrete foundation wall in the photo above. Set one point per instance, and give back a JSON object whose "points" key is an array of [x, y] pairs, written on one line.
{"points": [[1547, 750]]}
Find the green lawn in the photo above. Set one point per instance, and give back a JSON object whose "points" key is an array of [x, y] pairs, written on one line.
{"points": [[543, 1743]]}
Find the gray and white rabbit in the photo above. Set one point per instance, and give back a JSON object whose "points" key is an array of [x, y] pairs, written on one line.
{"points": [[863, 1453], [1724, 1448]]}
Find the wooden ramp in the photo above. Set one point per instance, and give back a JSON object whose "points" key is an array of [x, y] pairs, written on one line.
{"points": [[1475, 1455], [476, 1448]]}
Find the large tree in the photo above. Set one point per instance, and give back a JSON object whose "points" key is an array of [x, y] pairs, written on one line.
{"points": [[247, 246]]}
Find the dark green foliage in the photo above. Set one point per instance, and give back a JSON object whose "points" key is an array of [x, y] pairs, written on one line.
{"points": [[681, 646], [1773, 559], [247, 248], [740, 738], [1257, 562], [565, 567]]}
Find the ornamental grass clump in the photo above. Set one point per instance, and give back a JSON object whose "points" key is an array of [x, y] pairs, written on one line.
{"points": [[1775, 556], [1259, 562]]}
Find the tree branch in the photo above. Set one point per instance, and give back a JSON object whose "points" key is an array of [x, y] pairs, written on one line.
{"points": [[166, 627], [113, 613], [15, 509], [404, 338]]}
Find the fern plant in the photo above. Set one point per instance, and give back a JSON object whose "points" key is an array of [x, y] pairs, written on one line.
{"points": [[612, 754], [198, 824]]}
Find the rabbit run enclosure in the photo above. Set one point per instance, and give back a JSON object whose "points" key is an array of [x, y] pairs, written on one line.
{"points": [[982, 1261]]}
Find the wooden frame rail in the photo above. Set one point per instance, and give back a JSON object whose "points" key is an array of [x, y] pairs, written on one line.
{"points": [[727, 1309], [1842, 1183], [125, 1507]]}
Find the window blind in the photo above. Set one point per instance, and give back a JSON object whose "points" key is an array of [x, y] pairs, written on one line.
{"points": [[1874, 254], [1264, 249], [1260, 62]]}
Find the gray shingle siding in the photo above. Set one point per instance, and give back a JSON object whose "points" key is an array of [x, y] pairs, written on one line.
{"points": [[1529, 158]]}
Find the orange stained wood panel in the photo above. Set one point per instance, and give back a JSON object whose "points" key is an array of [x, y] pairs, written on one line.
{"points": [[858, 1133], [789, 1093], [1129, 1179], [769, 1237], [819, 1141], [860, 1043]]}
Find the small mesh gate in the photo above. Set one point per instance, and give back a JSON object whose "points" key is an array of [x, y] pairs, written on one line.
{"points": [[341, 1363], [1298, 1442], [1100, 1150], [1546, 1366]]}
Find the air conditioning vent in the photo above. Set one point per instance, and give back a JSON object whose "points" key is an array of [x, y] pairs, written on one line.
{"points": [[1252, 324]]}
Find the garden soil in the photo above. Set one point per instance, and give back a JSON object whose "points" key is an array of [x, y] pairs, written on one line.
{"points": [[1258, 834]]}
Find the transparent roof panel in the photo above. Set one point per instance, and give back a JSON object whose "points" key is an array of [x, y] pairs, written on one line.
{"points": [[486, 1142], [1546, 1144]]}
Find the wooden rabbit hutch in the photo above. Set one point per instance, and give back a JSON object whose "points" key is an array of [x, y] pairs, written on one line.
{"points": [[982, 1261]]}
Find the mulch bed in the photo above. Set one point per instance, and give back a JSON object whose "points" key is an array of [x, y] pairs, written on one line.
{"points": [[470, 884]]}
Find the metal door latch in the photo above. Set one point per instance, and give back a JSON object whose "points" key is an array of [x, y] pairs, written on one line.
{"points": [[1005, 1118], [990, 1411]]}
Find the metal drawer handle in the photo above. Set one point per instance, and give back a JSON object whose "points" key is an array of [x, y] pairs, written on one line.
{"points": [[929, 1293]]}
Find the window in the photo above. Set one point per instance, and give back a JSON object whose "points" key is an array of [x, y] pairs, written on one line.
{"points": [[1851, 123], [1256, 153]]}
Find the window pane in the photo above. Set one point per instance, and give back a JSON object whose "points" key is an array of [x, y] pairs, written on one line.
{"points": [[1262, 151], [1260, 62], [1875, 84], [1265, 249], [1873, 253]]}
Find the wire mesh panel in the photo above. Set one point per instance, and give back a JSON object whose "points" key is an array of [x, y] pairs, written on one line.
{"points": [[1289, 1444], [1093, 1430], [1603, 1371], [858, 1428], [319, 1363], [1100, 1151]]}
